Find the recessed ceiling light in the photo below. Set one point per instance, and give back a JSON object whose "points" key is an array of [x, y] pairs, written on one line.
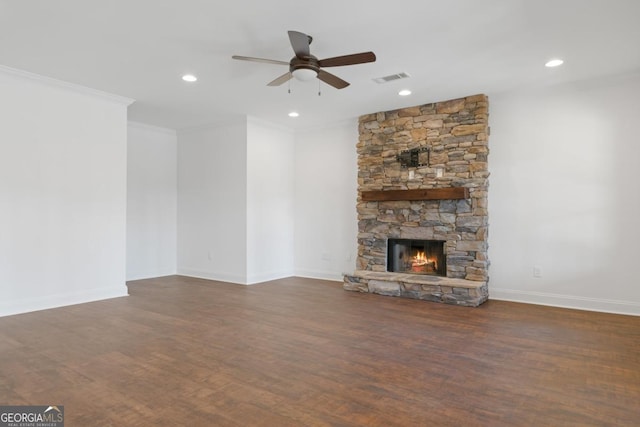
{"points": [[293, 114], [554, 63], [189, 78], [404, 92]]}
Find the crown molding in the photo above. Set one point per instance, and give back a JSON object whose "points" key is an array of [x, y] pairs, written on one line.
{"points": [[48, 81], [151, 128]]}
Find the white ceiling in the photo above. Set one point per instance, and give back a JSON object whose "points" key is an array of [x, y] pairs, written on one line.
{"points": [[451, 48]]}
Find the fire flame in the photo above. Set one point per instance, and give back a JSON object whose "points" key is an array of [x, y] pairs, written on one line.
{"points": [[421, 259]]}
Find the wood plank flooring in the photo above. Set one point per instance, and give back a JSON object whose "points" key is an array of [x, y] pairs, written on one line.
{"points": [[302, 352]]}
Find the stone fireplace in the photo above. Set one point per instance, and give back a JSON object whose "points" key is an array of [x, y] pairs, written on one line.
{"points": [[422, 202]]}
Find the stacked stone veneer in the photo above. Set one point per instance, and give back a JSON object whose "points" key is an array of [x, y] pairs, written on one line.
{"points": [[456, 133]]}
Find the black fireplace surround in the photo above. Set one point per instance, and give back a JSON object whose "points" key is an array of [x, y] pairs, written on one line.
{"points": [[417, 257]]}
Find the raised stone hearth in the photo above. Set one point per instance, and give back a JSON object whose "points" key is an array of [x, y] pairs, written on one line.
{"points": [[423, 175], [430, 288]]}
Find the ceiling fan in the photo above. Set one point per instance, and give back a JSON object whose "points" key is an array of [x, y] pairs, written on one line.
{"points": [[305, 66]]}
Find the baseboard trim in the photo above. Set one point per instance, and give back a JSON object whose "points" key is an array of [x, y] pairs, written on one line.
{"points": [[321, 275], [157, 276], [565, 301], [228, 278], [143, 276], [61, 300], [267, 277]]}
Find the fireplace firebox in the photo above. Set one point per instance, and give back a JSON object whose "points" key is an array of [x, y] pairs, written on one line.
{"points": [[416, 257]]}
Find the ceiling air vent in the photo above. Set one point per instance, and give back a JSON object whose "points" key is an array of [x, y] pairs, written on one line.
{"points": [[391, 78]]}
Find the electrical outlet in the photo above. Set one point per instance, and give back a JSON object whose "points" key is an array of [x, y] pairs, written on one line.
{"points": [[537, 271], [439, 173]]}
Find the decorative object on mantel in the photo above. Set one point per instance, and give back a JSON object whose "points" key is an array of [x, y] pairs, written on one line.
{"points": [[448, 193], [411, 158]]}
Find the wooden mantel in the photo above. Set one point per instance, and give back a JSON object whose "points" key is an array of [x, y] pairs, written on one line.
{"points": [[448, 193]]}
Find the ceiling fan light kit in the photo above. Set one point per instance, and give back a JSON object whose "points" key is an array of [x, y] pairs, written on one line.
{"points": [[304, 74], [304, 66]]}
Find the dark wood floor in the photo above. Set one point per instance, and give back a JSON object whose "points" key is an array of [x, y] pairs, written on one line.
{"points": [[302, 352]]}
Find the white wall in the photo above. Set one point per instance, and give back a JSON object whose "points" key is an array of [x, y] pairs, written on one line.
{"points": [[270, 221], [62, 193], [326, 225], [212, 203], [152, 201], [564, 195]]}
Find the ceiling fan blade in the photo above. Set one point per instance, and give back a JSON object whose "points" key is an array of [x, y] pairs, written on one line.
{"points": [[332, 80], [300, 43], [266, 61], [283, 78], [356, 58]]}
